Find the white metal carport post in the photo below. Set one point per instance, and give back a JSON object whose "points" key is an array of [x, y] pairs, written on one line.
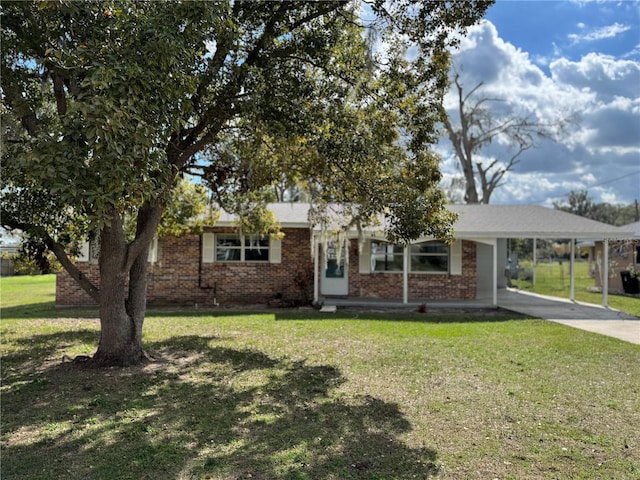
{"points": [[535, 260], [605, 274], [572, 265], [495, 272]]}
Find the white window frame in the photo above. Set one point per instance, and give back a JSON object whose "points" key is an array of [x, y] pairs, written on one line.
{"points": [[90, 251], [427, 255], [218, 248], [210, 248], [390, 251], [367, 258], [248, 243]]}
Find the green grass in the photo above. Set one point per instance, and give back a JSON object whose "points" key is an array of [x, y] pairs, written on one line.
{"points": [[34, 296], [299, 395], [553, 279], [21, 291]]}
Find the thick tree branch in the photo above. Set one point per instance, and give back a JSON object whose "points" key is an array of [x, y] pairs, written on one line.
{"points": [[13, 99], [58, 90], [74, 272], [147, 224], [181, 151], [223, 49], [183, 147]]}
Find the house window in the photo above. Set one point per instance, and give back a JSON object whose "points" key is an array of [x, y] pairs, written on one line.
{"points": [[233, 248], [90, 250], [430, 257], [386, 257], [256, 249], [228, 248]]}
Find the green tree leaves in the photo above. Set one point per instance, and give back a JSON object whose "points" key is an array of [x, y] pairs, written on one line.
{"points": [[106, 105]]}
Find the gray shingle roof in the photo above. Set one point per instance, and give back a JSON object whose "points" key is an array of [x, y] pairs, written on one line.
{"points": [[291, 215], [634, 227], [485, 221], [528, 221]]}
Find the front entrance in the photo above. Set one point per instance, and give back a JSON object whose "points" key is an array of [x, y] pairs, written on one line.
{"points": [[335, 280]]}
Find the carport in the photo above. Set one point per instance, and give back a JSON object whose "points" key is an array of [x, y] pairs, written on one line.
{"points": [[490, 226]]}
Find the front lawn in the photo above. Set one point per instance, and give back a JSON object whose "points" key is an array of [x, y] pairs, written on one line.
{"points": [[300, 395]]}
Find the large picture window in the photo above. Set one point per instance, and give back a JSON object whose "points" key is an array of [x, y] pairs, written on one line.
{"points": [[229, 247], [430, 256], [386, 257], [233, 248]]}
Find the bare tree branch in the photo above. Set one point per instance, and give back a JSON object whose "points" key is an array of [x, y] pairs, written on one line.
{"points": [[477, 128]]}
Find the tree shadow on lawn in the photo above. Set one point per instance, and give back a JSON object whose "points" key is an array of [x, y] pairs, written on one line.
{"points": [[39, 352], [201, 410]]}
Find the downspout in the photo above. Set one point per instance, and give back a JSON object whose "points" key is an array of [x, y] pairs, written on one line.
{"points": [[316, 265], [405, 274], [200, 250]]}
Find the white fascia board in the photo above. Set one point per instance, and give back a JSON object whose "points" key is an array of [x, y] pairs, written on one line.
{"points": [[543, 235], [232, 224]]}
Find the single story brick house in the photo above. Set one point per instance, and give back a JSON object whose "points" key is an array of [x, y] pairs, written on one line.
{"points": [[220, 267]]}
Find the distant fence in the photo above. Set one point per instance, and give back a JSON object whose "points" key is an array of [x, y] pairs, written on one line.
{"points": [[556, 275], [6, 267]]}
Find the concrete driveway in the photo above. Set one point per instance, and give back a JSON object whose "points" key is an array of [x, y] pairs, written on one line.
{"points": [[585, 316]]}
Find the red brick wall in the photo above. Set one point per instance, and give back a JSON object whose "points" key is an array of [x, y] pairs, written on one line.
{"points": [[257, 282], [67, 290], [178, 277], [422, 286]]}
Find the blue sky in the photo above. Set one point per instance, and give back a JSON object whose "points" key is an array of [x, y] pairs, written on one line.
{"points": [[547, 57], [547, 29]]}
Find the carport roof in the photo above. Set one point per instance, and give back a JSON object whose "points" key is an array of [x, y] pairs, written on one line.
{"points": [[485, 222], [529, 221], [634, 227]]}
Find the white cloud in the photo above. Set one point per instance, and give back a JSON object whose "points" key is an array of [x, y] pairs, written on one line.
{"points": [[604, 91], [588, 178], [607, 76], [601, 33], [633, 53]]}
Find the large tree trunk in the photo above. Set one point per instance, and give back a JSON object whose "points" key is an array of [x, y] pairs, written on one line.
{"points": [[471, 193], [123, 304], [120, 323]]}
